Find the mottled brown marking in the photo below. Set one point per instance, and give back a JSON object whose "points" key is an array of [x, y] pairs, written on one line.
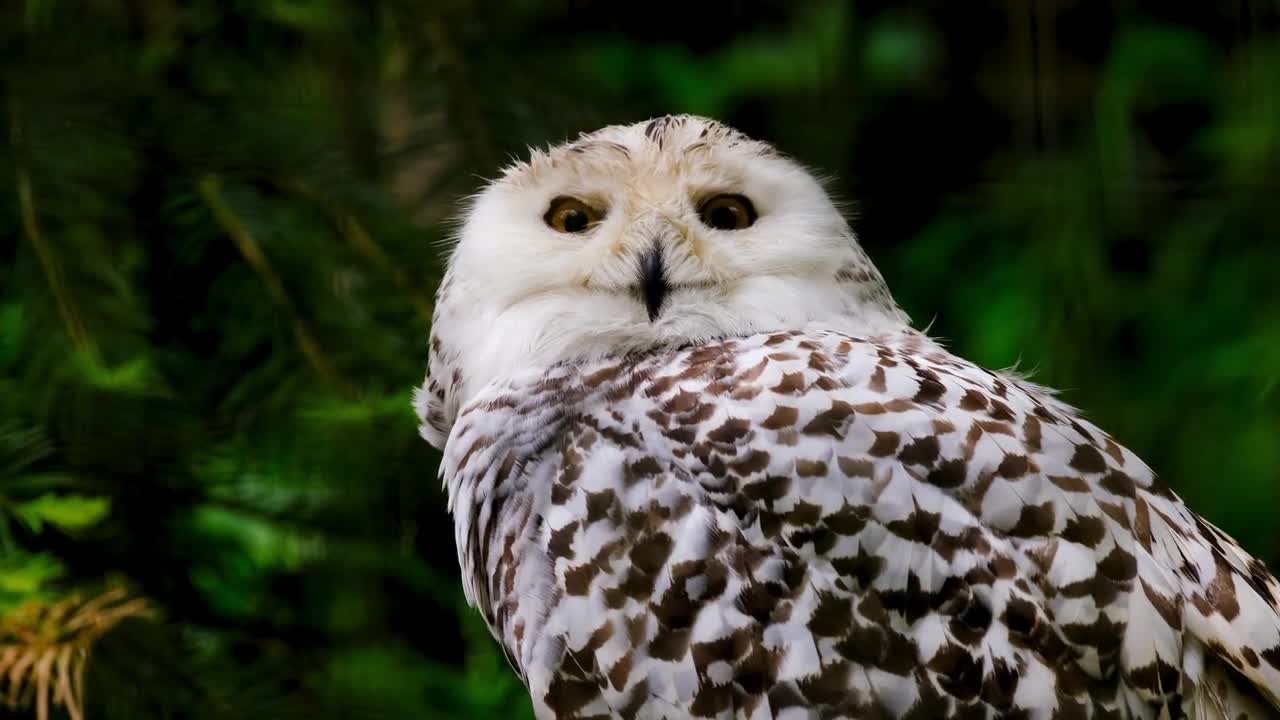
{"points": [[758, 600], [756, 461], [1070, 483], [676, 610], [641, 470], [711, 700], [1001, 411], [782, 417], [855, 467], [1003, 567], [995, 427], [930, 390], [771, 488], [792, 383], [621, 670], [1020, 617], [1034, 520], [577, 580], [1085, 530], [1141, 524], [848, 520], [973, 401], [1087, 459], [733, 430], [651, 553], [1221, 591], [886, 443], [1118, 483], [870, 408], [1168, 608], [566, 695], [949, 473], [921, 451], [1119, 565], [830, 421], [943, 427], [1158, 677], [1114, 451], [961, 675], [602, 376], [686, 450], [832, 616], [560, 544], [1272, 656], [1250, 656], [1000, 685], [811, 468], [877, 382], [1013, 466], [920, 526], [829, 686]]}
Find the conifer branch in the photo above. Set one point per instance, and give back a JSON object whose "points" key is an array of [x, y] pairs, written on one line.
{"points": [[210, 188], [48, 258], [355, 234], [359, 238], [467, 115]]}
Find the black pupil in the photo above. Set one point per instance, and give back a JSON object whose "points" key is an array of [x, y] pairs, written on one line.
{"points": [[575, 220], [724, 216]]}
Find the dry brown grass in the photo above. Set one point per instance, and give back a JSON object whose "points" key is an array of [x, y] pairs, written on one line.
{"points": [[45, 647]]}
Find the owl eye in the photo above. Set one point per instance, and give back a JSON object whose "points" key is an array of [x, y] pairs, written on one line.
{"points": [[571, 215], [728, 212]]}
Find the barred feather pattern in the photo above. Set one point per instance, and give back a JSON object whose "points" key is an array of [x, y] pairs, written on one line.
{"points": [[808, 524]]}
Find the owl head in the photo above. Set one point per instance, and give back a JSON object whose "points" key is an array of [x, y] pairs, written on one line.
{"points": [[665, 232]]}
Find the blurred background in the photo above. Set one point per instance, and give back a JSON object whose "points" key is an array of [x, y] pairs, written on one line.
{"points": [[221, 228]]}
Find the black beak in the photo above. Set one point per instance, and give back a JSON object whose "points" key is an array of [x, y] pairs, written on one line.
{"points": [[653, 281]]}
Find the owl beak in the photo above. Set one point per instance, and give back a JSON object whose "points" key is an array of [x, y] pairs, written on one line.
{"points": [[653, 281]]}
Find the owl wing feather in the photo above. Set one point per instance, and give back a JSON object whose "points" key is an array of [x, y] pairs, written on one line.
{"points": [[807, 524]]}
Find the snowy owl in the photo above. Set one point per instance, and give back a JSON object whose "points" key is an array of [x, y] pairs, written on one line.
{"points": [[700, 465]]}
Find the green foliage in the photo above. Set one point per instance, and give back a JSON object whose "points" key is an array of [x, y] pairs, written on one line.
{"points": [[222, 224], [752, 65], [65, 512], [28, 502]]}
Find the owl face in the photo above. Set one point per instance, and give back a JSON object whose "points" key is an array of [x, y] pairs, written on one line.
{"points": [[654, 221], [669, 231]]}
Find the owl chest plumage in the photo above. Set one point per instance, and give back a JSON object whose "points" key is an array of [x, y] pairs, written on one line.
{"points": [[809, 524]]}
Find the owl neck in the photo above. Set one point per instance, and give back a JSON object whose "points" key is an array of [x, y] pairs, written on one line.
{"points": [[482, 344]]}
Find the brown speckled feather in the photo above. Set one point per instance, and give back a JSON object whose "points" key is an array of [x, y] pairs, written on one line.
{"points": [[807, 524]]}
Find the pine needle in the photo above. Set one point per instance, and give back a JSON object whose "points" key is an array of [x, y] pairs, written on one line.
{"points": [[44, 251], [360, 239], [210, 188]]}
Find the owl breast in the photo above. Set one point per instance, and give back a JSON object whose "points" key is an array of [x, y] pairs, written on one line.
{"points": [[821, 525]]}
